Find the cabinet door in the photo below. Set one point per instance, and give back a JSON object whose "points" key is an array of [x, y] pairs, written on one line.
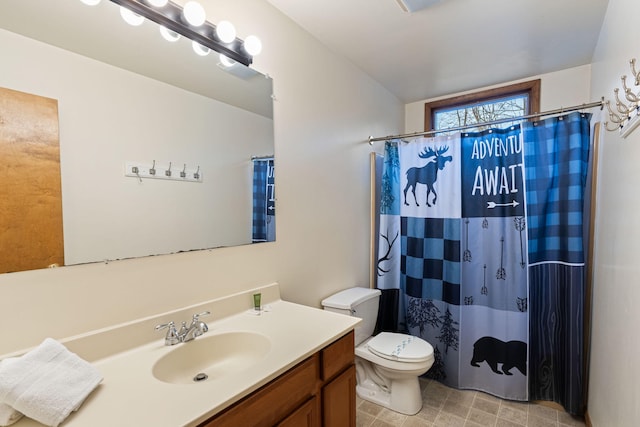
{"points": [[307, 415], [339, 400]]}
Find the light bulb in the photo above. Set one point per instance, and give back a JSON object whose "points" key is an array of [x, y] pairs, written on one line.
{"points": [[253, 45], [130, 17], [194, 13], [158, 3], [227, 62], [90, 2], [199, 49], [226, 31], [169, 35]]}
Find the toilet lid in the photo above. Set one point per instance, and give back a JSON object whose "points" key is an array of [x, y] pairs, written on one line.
{"points": [[401, 347]]}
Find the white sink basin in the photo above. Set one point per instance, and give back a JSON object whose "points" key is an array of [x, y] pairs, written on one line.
{"points": [[210, 357]]}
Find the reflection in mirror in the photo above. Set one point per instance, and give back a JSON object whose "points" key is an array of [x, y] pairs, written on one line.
{"points": [[126, 95]]}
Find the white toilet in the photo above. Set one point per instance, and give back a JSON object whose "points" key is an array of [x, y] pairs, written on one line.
{"points": [[387, 365]]}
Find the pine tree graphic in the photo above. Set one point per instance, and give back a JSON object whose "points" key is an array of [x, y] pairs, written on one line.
{"points": [[422, 312], [448, 332], [437, 369]]}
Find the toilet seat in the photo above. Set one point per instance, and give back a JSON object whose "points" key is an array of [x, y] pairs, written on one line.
{"points": [[400, 347]]}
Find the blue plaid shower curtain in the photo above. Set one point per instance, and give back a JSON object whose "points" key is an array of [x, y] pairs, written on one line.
{"points": [[473, 232], [264, 208]]}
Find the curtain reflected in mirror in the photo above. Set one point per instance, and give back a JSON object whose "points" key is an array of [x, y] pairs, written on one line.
{"points": [[264, 201]]}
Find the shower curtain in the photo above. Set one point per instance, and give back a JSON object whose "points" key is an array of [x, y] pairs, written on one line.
{"points": [[473, 231], [264, 209]]}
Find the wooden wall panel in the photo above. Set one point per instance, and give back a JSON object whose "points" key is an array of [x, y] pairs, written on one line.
{"points": [[30, 188]]}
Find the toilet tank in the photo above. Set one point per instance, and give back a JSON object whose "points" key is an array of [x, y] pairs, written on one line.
{"points": [[358, 302]]}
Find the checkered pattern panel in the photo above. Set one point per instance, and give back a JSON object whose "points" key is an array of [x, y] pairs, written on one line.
{"points": [[556, 156], [430, 262]]}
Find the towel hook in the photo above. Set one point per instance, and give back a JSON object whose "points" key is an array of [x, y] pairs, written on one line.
{"points": [[168, 171], [152, 171], [196, 175], [183, 174]]}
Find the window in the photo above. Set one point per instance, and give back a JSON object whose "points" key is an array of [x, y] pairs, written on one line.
{"points": [[514, 100]]}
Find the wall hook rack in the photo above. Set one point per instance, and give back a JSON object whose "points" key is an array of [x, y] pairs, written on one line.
{"points": [[140, 170], [625, 117]]}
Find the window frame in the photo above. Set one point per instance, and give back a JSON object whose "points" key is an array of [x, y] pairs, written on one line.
{"points": [[531, 88]]}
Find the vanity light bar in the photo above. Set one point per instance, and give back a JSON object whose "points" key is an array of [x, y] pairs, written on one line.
{"points": [[170, 16]]}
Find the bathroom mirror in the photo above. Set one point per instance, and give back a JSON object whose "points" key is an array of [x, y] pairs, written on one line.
{"points": [[125, 95]]}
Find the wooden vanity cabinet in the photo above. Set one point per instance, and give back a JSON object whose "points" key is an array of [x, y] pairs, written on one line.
{"points": [[319, 391]]}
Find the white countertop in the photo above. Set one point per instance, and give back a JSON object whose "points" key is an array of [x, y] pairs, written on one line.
{"points": [[130, 395]]}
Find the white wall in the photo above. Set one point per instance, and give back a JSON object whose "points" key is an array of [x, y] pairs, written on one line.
{"points": [[108, 116], [614, 388], [563, 88], [325, 108]]}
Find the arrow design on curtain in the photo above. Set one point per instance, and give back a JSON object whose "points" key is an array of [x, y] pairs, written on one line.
{"points": [[492, 205]]}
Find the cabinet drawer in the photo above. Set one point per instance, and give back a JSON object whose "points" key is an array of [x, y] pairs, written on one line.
{"points": [[274, 401], [337, 356]]}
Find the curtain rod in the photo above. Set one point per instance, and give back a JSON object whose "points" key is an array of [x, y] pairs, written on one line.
{"points": [[600, 104], [267, 157]]}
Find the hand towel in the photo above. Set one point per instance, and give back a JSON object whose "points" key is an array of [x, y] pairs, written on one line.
{"points": [[47, 383], [8, 415]]}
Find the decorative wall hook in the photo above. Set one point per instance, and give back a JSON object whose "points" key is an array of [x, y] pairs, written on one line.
{"points": [[614, 117], [635, 73], [628, 93], [621, 106], [626, 116]]}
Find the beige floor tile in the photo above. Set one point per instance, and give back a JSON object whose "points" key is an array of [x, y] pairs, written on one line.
{"points": [[391, 417], [535, 421], [448, 420], [363, 419], [416, 422], [481, 417], [379, 423], [506, 423], [427, 413], [490, 407], [455, 409], [462, 397], [447, 407], [566, 419], [516, 416], [543, 412], [370, 408]]}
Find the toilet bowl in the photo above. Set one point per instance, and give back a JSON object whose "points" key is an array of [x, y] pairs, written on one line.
{"points": [[387, 365]]}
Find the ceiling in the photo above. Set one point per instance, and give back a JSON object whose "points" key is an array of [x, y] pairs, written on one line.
{"points": [[452, 46]]}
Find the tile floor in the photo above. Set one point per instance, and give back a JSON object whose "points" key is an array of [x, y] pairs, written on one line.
{"points": [[444, 406]]}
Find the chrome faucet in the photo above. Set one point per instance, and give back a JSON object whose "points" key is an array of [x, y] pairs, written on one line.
{"points": [[186, 333]]}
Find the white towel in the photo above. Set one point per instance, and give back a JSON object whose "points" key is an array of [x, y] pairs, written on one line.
{"points": [[47, 383], [8, 415]]}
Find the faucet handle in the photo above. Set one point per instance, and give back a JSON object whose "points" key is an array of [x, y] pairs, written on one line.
{"points": [[204, 313], [172, 337], [200, 326]]}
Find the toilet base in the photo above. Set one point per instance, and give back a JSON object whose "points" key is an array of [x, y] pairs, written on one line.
{"points": [[406, 397]]}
